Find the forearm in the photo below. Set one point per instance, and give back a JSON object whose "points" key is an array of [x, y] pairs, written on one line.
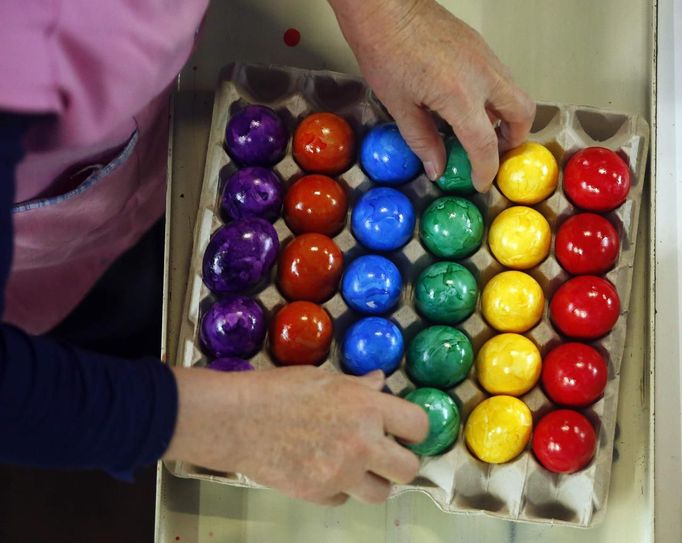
{"points": [[65, 408], [361, 21]]}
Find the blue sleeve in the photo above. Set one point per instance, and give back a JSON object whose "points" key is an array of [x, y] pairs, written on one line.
{"points": [[62, 407]]}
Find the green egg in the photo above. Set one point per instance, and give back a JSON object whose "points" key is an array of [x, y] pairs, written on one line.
{"points": [[443, 420], [451, 227], [445, 293], [457, 176], [440, 357]]}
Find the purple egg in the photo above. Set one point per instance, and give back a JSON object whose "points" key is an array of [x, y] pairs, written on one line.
{"points": [[256, 136], [240, 256], [233, 327], [230, 364], [252, 192]]}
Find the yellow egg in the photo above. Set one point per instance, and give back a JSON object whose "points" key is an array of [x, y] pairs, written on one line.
{"points": [[528, 174], [520, 237], [498, 429], [508, 364], [512, 301]]}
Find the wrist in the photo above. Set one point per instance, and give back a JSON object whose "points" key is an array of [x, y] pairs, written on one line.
{"points": [[210, 407], [364, 19]]}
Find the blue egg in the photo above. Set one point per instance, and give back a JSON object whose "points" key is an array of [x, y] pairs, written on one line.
{"points": [[383, 219], [372, 285], [372, 344], [386, 157]]}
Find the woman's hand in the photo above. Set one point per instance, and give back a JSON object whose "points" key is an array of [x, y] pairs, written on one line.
{"points": [[418, 58], [306, 432]]}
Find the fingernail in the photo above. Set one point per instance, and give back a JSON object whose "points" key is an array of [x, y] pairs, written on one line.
{"points": [[430, 169]]}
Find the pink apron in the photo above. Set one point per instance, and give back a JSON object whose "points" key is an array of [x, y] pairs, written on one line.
{"points": [[93, 180]]}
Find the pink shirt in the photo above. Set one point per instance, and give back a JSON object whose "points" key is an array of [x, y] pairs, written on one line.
{"points": [[93, 180]]}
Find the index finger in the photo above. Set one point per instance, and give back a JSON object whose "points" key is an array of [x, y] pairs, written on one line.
{"points": [[515, 109], [403, 419]]}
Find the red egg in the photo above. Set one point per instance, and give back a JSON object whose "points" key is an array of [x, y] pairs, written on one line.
{"points": [[587, 244], [564, 441], [324, 143], [301, 333], [585, 307], [597, 179], [316, 203], [574, 374], [310, 268]]}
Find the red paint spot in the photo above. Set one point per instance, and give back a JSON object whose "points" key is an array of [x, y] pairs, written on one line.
{"points": [[292, 37]]}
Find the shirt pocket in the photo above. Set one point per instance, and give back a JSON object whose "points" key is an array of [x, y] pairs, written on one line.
{"points": [[50, 231], [96, 174]]}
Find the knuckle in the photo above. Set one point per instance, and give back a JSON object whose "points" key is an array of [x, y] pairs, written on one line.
{"points": [[529, 107], [357, 448], [483, 142]]}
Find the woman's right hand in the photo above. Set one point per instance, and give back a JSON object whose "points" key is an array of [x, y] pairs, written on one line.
{"points": [[308, 433]]}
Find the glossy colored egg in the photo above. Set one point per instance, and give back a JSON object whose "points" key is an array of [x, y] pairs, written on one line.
{"points": [[256, 136], [301, 334], [574, 374], [383, 219], [324, 143], [233, 326], [316, 203], [528, 174], [239, 256], [252, 192], [520, 237], [457, 176], [386, 157], [585, 307], [310, 268], [512, 301], [444, 420], [596, 179], [587, 244], [372, 343], [498, 429], [372, 285], [446, 292], [451, 227], [440, 357], [564, 441], [508, 364]]}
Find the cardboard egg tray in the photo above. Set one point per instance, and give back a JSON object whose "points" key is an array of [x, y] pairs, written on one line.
{"points": [[456, 481]]}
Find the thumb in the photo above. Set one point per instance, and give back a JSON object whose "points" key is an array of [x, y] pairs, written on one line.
{"points": [[419, 130]]}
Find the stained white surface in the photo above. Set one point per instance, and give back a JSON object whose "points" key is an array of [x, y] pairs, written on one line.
{"points": [[668, 172], [579, 51]]}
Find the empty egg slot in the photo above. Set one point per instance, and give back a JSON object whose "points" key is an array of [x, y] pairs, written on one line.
{"points": [[481, 502], [336, 94], [600, 126], [265, 84], [544, 115], [551, 511]]}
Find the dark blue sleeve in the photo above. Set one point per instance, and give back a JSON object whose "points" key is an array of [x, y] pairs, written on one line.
{"points": [[61, 407]]}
